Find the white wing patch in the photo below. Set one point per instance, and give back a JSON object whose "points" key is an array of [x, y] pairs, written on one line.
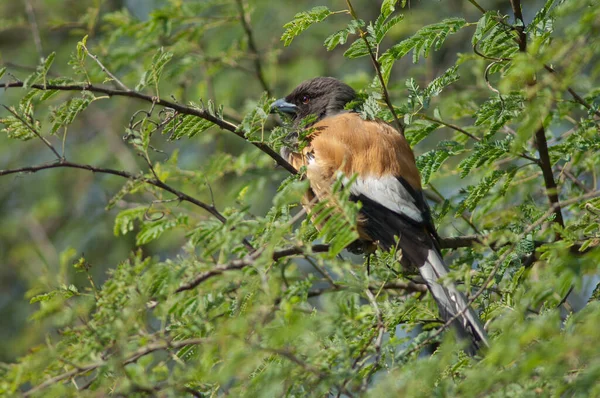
{"points": [[389, 192]]}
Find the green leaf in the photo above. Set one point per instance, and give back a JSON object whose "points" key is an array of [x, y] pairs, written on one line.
{"points": [[45, 66], [124, 222], [426, 38], [370, 108], [151, 76], [253, 124], [479, 191], [154, 229], [187, 126], [387, 7], [496, 112], [77, 59], [382, 26], [495, 40], [418, 130], [439, 83], [336, 217], [485, 152], [291, 191], [42, 297], [484, 25], [130, 187], [340, 37], [66, 113], [302, 21], [543, 21], [40, 73], [359, 47], [430, 36], [20, 128], [430, 162], [2, 72]]}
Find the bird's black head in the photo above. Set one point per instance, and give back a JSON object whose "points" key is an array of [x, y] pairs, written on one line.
{"points": [[321, 96]]}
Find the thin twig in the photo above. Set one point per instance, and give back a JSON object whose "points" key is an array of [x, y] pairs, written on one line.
{"points": [[34, 131], [245, 262], [565, 297], [480, 8], [377, 344], [182, 109], [575, 96], [386, 95], [465, 132], [245, 19], [489, 85], [573, 179], [323, 272], [105, 70], [462, 241], [439, 198], [406, 287], [129, 359], [449, 125], [35, 31], [293, 358], [25, 68], [159, 184], [380, 331]]}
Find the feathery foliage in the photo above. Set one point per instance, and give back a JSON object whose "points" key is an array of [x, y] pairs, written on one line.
{"points": [[153, 239]]}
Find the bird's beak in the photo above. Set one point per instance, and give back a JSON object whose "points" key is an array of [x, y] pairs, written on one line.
{"points": [[283, 106]]}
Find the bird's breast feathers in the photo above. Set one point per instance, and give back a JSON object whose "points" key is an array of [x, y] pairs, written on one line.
{"points": [[374, 151]]}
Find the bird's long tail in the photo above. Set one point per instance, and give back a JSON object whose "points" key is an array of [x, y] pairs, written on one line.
{"points": [[452, 303], [418, 245]]}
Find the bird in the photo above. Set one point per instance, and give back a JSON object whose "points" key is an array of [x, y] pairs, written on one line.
{"points": [[379, 165]]}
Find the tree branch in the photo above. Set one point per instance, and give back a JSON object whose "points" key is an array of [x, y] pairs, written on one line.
{"points": [[575, 180], [408, 287], [575, 96], [461, 241], [540, 135], [386, 95], [449, 125], [446, 243], [245, 19], [480, 8], [245, 262], [520, 28], [34, 131], [546, 166], [182, 109], [129, 359], [157, 183], [35, 31], [118, 82]]}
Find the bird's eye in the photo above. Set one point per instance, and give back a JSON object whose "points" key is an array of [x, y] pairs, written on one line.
{"points": [[305, 99]]}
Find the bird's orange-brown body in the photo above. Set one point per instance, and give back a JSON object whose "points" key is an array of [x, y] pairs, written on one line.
{"points": [[350, 145]]}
